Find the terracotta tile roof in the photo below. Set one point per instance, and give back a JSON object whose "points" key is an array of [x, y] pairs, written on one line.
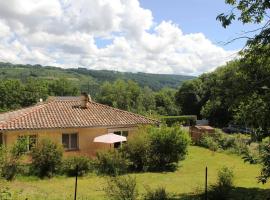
{"points": [[65, 112]]}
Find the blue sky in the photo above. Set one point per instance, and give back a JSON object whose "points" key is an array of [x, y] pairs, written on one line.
{"points": [[194, 16]]}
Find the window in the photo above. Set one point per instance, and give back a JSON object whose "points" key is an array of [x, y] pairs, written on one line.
{"points": [[30, 141], [122, 133], [70, 141]]}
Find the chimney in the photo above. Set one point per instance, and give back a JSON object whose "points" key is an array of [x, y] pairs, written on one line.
{"points": [[85, 98]]}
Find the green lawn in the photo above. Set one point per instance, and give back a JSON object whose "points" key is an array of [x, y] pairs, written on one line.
{"points": [[188, 178]]}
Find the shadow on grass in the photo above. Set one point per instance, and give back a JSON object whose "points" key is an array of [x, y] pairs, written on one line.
{"points": [[237, 193]]}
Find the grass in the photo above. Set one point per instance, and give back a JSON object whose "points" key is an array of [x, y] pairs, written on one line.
{"points": [[188, 177]]}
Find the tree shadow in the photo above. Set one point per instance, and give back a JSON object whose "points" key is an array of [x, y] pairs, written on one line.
{"points": [[237, 193]]}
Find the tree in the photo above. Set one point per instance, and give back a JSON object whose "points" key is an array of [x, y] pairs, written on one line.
{"points": [[63, 87], [33, 91], [188, 97], [252, 112], [165, 102], [11, 94], [250, 11]]}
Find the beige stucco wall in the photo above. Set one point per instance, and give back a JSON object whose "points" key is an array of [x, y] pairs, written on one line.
{"points": [[85, 137]]}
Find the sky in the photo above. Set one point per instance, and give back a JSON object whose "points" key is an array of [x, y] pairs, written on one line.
{"points": [[152, 36]]}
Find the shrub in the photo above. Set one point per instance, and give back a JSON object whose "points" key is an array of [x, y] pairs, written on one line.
{"points": [[240, 144], [137, 150], [111, 163], [221, 190], [157, 148], [70, 164], [265, 158], [168, 145], [10, 159], [252, 154], [157, 194], [237, 143], [209, 142], [121, 188], [46, 158]]}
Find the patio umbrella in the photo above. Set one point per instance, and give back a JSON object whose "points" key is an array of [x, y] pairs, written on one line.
{"points": [[110, 138]]}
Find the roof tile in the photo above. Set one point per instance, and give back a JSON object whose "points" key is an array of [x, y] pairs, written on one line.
{"points": [[65, 112]]}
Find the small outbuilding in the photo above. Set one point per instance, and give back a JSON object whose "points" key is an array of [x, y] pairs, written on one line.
{"points": [[196, 132]]}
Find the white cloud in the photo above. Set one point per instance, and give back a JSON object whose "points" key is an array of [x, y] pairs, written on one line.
{"points": [[66, 32]]}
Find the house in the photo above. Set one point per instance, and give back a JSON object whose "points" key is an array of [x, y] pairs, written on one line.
{"points": [[196, 132], [73, 122]]}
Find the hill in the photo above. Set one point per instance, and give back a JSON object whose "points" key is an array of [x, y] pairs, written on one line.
{"points": [[88, 77]]}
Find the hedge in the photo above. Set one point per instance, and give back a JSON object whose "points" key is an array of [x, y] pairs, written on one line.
{"points": [[187, 120]]}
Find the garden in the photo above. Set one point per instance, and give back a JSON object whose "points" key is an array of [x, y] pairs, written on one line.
{"points": [[159, 163]]}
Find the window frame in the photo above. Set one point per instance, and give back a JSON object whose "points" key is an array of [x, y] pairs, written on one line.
{"points": [[119, 144], [69, 148], [28, 137]]}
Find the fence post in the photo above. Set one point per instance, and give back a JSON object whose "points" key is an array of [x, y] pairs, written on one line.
{"points": [[76, 180], [206, 174]]}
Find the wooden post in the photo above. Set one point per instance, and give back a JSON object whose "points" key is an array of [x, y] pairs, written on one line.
{"points": [[206, 174], [76, 181]]}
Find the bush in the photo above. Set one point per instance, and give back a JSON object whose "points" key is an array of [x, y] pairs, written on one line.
{"points": [[188, 120], [209, 142], [121, 188], [237, 143], [241, 143], [168, 145], [10, 159], [111, 163], [157, 194], [221, 190], [265, 158], [46, 158], [252, 153], [137, 150], [70, 164], [156, 149]]}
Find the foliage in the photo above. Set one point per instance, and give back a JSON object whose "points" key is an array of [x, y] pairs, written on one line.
{"points": [[156, 149], [168, 145], [182, 181], [252, 112], [185, 120], [128, 95], [221, 190], [10, 159], [137, 151], [208, 141], [46, 158], [16, 94], [265, 159], [231, 94], [249, 11], [70, 165], [111, 163], [121, 188], [156, 194], [252, 154], [165, 102], [188, 97], [238, 144]]}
